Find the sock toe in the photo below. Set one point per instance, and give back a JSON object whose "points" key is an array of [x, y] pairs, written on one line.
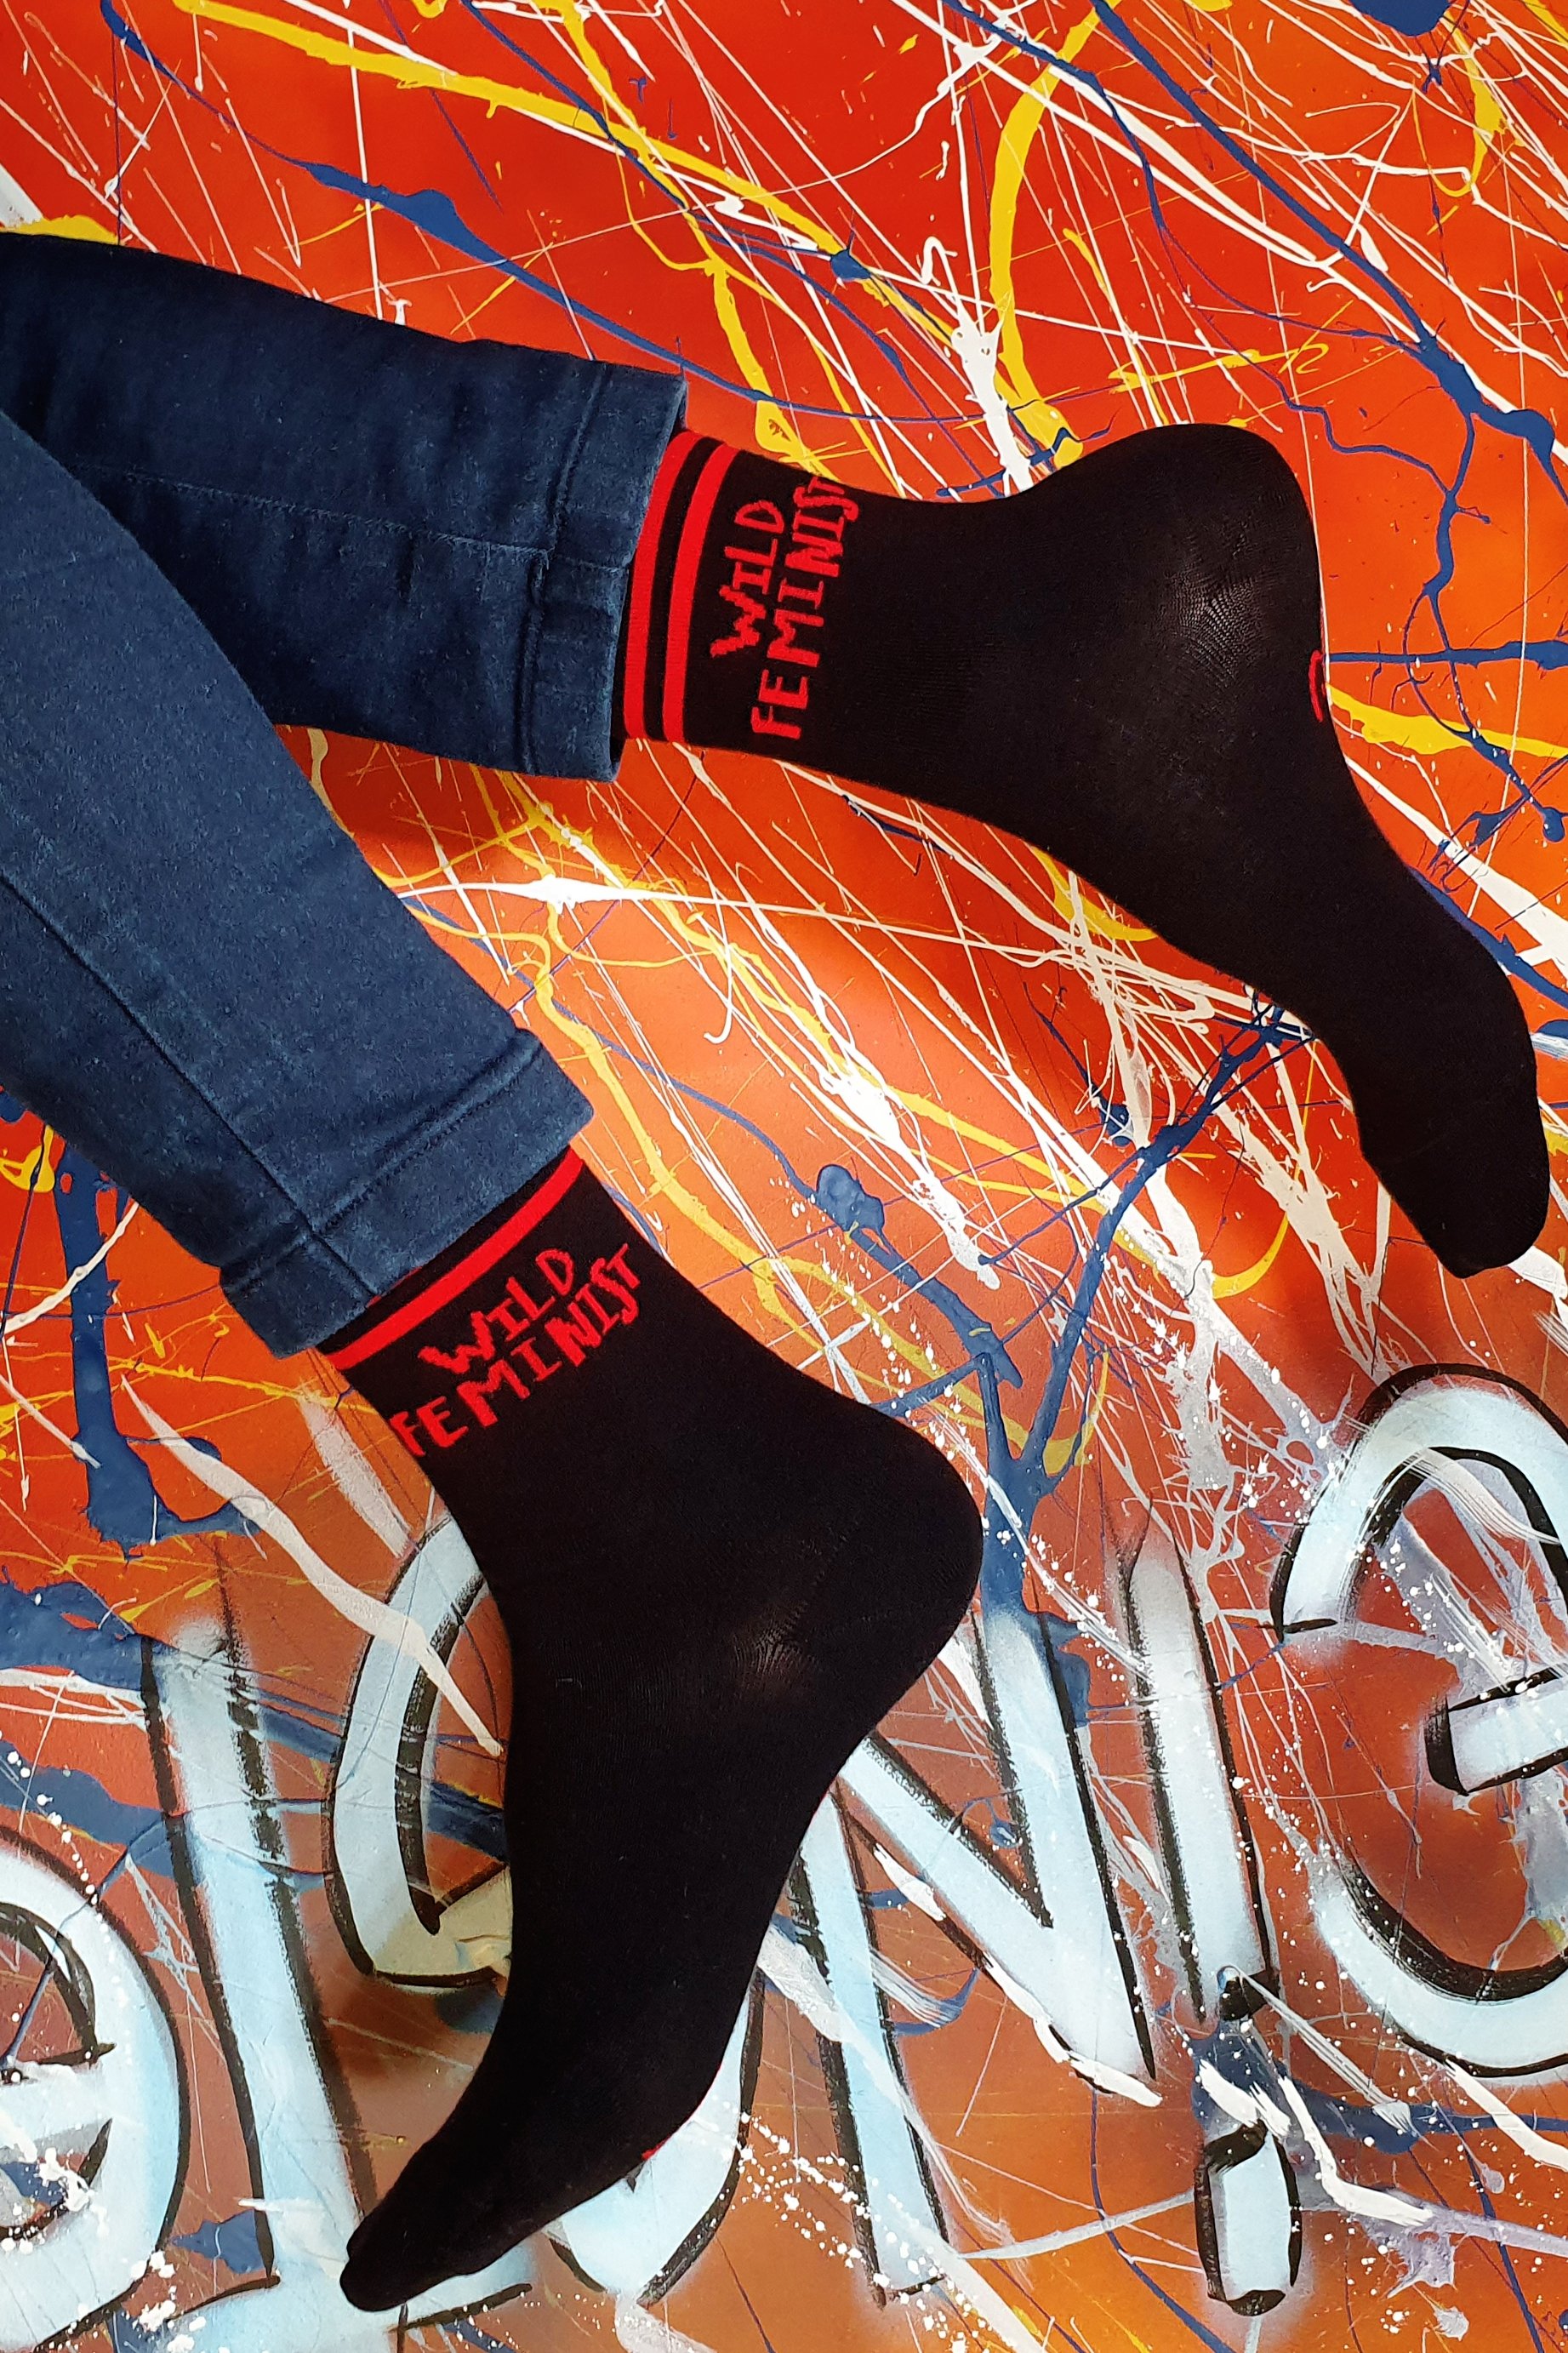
{"points": [[421, 2234], [384, 2269]]}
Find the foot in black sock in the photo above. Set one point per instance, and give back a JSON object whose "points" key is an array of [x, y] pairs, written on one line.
{"points": [[1124, 666], [716, 1575]]}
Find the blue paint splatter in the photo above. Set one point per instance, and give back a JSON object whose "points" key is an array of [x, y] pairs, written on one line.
{"points": [[862, 1217], [1411, 17], [122, 1505], [234, 2243], [66, 1627]]}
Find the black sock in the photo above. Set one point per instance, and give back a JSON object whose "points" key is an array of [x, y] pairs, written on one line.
{"points": [[1124, 666], [715, 1575]]}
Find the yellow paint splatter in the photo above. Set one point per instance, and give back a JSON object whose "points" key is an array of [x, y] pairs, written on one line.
{"points": [[1230, 1286], [1419, 731], [34, 1171], [78, 225], [1489, 117], [1036, 416], [1073, 903]]}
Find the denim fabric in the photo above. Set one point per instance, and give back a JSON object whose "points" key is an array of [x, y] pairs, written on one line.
{"points": [[201, 982], [385, 533]]}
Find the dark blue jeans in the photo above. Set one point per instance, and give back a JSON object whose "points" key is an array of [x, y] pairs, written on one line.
{"points": [[281, 511]]}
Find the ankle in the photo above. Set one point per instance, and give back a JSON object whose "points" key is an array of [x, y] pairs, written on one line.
{"points": [[745, 602]]}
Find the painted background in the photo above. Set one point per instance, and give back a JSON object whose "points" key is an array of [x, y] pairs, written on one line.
{"points": [[1186, 1963]]}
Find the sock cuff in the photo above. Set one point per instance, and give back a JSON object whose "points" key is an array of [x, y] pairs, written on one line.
{"points": [[409, 1304], [664, 581], [739, 625]]}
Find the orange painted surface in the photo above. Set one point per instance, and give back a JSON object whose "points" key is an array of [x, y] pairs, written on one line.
{"points": [[931, 249]]}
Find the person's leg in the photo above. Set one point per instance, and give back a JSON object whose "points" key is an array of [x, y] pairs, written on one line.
{"points": [[429, 540], [201, 982], [716, 1574], [387, 533]]}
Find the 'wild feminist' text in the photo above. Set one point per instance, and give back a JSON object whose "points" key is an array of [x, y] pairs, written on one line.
{"points": [[777, 583], [525, 1339]]}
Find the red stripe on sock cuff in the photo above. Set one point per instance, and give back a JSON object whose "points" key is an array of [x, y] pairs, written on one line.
{"points": [[639, 606], [468, 1270], [683, 590], [1317, 685]]}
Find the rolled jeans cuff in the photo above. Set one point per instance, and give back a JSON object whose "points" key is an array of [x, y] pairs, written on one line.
{"points": [[510, 1121], [571, 647], [386, 533]]}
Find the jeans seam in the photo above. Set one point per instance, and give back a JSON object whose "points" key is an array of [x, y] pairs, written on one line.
{"points": [[452, 1121], [170, 1063], [509, 1065], [559, 500], [489, 541], [317, 1231]]}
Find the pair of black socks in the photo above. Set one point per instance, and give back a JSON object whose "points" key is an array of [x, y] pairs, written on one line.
{"points": [[716, 1574]]}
